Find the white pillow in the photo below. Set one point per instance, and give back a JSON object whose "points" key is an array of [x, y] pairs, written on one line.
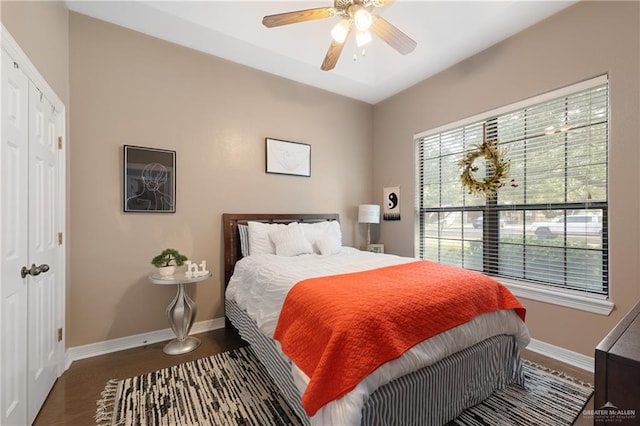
{"points": [[259, 241], [325, 237], [314, 231], [290, 241], [328, 246]]}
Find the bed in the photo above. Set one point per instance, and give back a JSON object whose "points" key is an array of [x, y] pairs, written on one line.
{"points": [[431, 384]]}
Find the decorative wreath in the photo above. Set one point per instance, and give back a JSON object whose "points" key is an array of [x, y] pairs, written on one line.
{"points": [[497, 166]]}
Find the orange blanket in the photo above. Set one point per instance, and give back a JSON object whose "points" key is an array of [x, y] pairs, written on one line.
{"points": [[339, 329]]}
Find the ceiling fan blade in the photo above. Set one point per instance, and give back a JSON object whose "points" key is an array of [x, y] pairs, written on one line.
{"points": [[379, 3], [287, 18], [333, 54], [393, 36]]}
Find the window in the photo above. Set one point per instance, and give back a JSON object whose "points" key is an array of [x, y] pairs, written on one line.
{"points": [[550, 231]]}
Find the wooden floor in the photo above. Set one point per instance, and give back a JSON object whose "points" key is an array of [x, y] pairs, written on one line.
{"points": [[72, 400]]}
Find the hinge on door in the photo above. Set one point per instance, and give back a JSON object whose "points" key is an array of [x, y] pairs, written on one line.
{"points": [[59, 142], [59, 238], [60, 335]]}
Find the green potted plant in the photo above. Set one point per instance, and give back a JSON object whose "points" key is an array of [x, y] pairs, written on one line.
{"points": [[167, 261]]}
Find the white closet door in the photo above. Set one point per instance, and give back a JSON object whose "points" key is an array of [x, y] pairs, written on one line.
{"points": [[43, 248], [13, 242]]}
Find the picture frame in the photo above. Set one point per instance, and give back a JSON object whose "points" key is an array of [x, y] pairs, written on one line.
{"points": [[149, 178], [375, 248], [288, 158], [391, 206]]}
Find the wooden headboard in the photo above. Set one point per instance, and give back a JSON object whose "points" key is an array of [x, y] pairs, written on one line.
{"points": [[230, 223]]}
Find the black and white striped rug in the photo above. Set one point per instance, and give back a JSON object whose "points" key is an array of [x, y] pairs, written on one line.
{"points": [[230, 388], [233, 388], [549, 398]]}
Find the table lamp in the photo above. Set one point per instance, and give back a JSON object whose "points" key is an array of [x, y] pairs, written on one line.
{"points": [[368, 213]]}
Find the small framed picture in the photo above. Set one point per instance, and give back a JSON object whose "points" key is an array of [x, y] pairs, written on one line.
{"points": [[376, 248], [149, 180], [391, 207], [288, 158]]}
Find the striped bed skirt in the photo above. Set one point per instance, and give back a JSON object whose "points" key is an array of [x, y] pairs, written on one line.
{"points": [[433, 395]]}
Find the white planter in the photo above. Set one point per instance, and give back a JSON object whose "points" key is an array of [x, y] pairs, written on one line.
{"points": [[166, 271]]}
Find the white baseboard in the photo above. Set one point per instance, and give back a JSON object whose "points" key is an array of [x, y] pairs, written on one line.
{"points": [[100, 348], [576, 359], [122, 343]]}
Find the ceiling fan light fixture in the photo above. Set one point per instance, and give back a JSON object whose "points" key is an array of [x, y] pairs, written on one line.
{"points": [[362, 18], [361, 14], [340, 31], [362, 38]]}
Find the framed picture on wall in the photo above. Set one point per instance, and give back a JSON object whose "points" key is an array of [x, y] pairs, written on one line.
{"points": [[288, 158], [391, 207], [149, 180]]}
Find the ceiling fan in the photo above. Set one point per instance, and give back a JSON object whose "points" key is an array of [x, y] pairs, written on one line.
{"points": [[356, 12]]}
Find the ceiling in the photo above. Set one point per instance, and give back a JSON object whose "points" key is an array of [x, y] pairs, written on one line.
{"points": [[446, 32]]}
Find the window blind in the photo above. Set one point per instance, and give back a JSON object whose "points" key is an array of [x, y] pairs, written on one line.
{"points": [[551, 228]]}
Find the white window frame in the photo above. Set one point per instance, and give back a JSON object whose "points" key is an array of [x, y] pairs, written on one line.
{"points": [[599, 304]]}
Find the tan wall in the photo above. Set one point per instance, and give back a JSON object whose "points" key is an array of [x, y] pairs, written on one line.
{"points": [[128, 88], [41, 28], [131, 89], [585, 40]]}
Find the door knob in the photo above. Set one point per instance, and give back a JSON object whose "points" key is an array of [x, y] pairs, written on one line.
{"points": [[34, 270]]}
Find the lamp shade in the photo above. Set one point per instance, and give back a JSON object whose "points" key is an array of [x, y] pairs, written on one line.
{"points": [[340, 31], [362, 38], [362, 18], [368, 213]]}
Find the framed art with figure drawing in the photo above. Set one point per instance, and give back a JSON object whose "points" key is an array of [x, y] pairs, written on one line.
{"points": [[288, 158], [149, 180]]}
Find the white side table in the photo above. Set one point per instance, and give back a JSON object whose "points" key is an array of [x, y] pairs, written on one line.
{"points": [[181, 313]]}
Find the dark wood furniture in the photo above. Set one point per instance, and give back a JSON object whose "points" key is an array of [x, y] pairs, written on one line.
{"points": [[617, 373]]}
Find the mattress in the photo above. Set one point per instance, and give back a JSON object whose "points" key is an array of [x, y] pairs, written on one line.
{"points": [[259, 286], [430, 396]]}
